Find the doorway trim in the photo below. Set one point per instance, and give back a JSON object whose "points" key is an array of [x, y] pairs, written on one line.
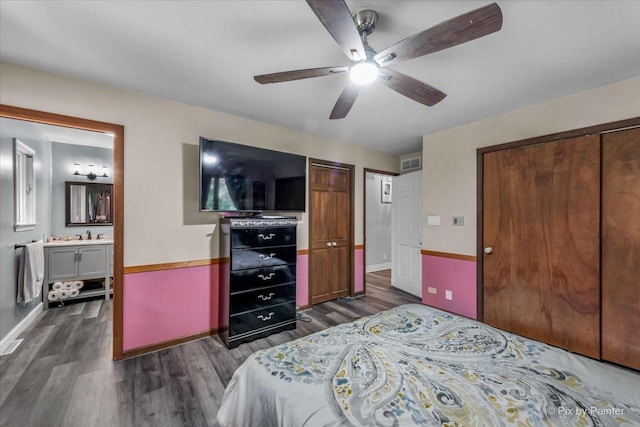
{"points": [[352, 169], [574, 133], [18, 113], [364, 221]]}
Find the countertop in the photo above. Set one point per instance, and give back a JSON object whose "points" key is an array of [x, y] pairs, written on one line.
{"points": [[56, 243]]}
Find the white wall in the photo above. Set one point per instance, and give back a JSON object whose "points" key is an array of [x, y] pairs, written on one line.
{"points": [[162, 222], [449, 157]]}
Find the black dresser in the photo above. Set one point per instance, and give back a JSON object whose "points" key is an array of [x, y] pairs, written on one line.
{"points": [[258, 279]]}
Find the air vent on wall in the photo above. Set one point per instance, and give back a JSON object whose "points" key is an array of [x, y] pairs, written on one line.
{"points": [[412, 163]]}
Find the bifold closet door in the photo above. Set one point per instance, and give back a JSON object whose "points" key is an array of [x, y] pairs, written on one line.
{"points": [[329, 254], [621, 247], [340, 259], [541, 234]]}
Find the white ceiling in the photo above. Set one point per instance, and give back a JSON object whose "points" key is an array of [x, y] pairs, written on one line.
{"points": [[205, 53]]}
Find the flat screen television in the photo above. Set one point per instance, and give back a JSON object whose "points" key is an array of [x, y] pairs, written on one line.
{"points": [[241, 178]]}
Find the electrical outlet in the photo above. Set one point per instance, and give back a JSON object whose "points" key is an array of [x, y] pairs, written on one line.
{"points": [[432, 290], [448, 295], [384, 257], [458, 220]]}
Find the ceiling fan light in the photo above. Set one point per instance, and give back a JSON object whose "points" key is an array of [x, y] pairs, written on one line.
{"points": [[363, 72]]}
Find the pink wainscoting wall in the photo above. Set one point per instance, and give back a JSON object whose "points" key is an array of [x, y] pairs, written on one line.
{"points": [[163, 305], [302, 280], [458, 276], [358, 270]]}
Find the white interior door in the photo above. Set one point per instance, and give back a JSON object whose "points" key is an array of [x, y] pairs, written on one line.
{"points": [[406, 236]]}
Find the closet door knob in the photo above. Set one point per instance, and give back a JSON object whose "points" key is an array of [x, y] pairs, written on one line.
{"points": [[488, 250], [335, 244], [329, 244]]}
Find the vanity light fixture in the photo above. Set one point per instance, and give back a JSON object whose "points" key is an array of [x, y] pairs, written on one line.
{"points": [[92, 173]]}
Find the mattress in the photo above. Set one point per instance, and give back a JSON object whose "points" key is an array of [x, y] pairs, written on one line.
{"points": [[416, 365]]}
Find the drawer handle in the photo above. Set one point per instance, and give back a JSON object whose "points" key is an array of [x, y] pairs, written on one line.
{"points": [[263, 277], [264, 319], [269, 237], [266, 298], [263, 256]]}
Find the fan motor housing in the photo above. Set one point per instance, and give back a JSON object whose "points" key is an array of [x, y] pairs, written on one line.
{"points": [[366, 21]]}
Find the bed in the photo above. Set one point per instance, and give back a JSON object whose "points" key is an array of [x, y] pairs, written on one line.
{"points": [[416, 365]]}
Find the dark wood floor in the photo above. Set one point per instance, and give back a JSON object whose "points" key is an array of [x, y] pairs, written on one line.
{"points": [[62, 374], [378, 281]]}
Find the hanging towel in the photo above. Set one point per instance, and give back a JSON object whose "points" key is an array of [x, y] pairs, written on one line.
{"points": [[31, 272]]}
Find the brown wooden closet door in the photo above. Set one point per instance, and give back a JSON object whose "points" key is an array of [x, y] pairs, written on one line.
{"points": [[541, 218], [319, 251], [340, 233], [330, 246], [621, 247]]}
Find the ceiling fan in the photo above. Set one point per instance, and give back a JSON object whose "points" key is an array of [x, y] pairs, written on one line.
{"points": [[367, 65]]}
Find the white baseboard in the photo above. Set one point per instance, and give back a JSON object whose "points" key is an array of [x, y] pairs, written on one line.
{"points": [[378, 267], [6, 342]]}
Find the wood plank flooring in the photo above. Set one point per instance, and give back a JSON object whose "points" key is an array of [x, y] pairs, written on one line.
{"points": [[63, 375]]}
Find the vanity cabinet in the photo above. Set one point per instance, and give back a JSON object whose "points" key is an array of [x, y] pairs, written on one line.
{"points": [[87, 261], [76, 263], [258, 278]]}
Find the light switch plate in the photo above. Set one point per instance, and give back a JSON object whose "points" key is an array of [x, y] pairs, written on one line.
{"points": [[448, 295], [433, 220]]}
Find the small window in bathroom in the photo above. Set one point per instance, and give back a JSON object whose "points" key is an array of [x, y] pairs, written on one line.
{"points": [[25, 187]]}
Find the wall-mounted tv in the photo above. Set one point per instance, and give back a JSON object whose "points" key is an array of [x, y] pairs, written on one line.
{"points": [[241, 178]]}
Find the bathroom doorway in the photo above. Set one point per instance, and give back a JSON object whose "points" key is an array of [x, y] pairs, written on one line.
{"points": [[115, 172]]}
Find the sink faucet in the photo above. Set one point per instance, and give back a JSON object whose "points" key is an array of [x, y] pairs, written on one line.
{"points": [[79, 236], [88, 234], [100, 236]]}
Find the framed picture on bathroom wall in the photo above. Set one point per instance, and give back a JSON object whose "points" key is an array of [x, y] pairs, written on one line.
{"points": [[385, 192]]}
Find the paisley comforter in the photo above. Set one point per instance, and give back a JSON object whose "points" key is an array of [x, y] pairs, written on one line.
{"points": [[415, 365]]}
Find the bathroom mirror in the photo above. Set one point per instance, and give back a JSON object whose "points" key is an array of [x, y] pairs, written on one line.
{"points": [[88, 203]]}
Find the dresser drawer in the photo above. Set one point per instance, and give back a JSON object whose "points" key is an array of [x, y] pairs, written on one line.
{"points": [[261, 237], [258, 319], [262, 257], [245, 280], [262, 298]]}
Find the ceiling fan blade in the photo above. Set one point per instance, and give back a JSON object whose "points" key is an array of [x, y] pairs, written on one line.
{"points": [[461, 29], [345, 101], [336, 18], [410, 87], [286, 76]]}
